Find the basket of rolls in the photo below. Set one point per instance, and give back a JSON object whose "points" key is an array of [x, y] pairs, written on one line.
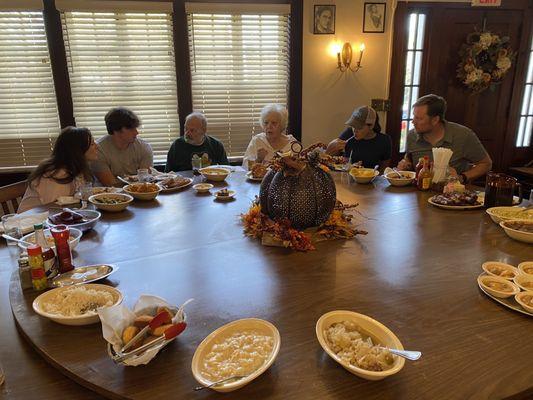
{"points": [[135, 337]]}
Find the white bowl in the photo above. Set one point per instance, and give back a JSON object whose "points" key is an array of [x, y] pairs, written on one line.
{"points": [[489, 266], [258, 325], [494, 213], [90, 318], [519, 299], [515, 234], [524, 282], [484, 279], [124, 198], [202, 187], [214, 174], [526, 268], [356, 174], [92, 217], [380, 334], [142, 195], [74, 239], [394, 180]]}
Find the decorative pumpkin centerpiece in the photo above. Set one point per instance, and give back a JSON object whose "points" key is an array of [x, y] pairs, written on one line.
{"points": [[299, 190], [298, 193]]}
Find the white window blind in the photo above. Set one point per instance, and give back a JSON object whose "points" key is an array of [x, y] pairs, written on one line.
{"points": [[239, 63], [29, 120], [120, 58], [525, 126]]}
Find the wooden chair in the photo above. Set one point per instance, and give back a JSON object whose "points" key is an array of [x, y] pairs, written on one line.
{"points": [[10, 196]]}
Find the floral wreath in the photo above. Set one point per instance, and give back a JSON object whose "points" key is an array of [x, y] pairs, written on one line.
{"points": [[485, 60]]}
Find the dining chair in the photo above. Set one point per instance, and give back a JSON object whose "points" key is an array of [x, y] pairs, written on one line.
{"points": [[10, 196]]}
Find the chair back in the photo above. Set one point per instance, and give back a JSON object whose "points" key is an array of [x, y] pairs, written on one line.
{"points": [[10, 196]]}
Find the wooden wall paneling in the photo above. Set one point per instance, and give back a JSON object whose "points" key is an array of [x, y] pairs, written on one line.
{"points": [[58, 60]]}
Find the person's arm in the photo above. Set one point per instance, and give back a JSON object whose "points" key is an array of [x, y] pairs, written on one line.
{"points": [[106, 177], [405, 163], [387, 154], [171, 160], [336, 147], [250, 153], [479, 169], [222, 158]]}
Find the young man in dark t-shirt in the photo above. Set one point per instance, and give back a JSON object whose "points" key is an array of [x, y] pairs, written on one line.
{"points": [[363, 141], [195, 141]]}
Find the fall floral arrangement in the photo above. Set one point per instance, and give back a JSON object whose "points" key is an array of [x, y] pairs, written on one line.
{"points": [[280, 233], [485, 60]]}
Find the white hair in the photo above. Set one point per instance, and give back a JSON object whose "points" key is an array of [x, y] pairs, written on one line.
{"points": [[200, 116], [278, 109]]}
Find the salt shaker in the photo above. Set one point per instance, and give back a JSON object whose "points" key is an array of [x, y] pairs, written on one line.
{"points": [[24, 272]]}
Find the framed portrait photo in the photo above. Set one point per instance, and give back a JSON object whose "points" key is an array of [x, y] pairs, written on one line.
{"points": [[374, 17], [324, 19]]}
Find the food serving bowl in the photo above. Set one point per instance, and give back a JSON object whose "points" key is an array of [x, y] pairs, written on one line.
{"points": [[521, 299], [380, 335], [499, 214], [214, 174], [122, 201], [363, 175], [142, 195], [484, 281], [83, 319], [74, 239], [526, 268], [520, 235], [203, 187], [91, 217], [86, 274], [248, 324], [524, 282], [230, 195], [496, 268], [406, 179]]}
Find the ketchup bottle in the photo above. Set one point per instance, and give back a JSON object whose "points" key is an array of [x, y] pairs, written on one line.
{"points": [[61, 235]]}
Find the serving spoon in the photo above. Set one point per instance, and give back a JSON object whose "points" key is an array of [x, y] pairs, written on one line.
{"points": [[408, 354], [231, 378]]}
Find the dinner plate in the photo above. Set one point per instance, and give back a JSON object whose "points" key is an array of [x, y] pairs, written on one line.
{"points": [[457, 208], [87, 274], [105, 189], [509, 302], [173, 189], [252, 178], [230, 196]]}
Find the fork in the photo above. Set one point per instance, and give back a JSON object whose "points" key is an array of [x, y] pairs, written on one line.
{"points": [[231, 378]]}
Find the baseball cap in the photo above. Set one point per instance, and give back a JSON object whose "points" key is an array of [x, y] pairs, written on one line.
{"points": [[362, 116]]}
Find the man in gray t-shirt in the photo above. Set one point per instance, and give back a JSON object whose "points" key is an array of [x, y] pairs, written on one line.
{"points": [[469, 160], [121, 152]]}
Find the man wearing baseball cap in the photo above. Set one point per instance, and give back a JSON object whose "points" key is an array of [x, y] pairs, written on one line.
{"points": [[363, 141]]}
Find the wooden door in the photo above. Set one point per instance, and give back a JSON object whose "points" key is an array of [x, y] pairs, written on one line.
{"points": [[488, 113]]}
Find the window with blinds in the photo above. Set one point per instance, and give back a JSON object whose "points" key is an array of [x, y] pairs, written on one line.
{"points": [[121, 58], [28, 109], [239, 63], [525, 126]]}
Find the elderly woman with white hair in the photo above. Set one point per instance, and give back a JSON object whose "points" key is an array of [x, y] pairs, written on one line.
{"points": [[263, 146]]}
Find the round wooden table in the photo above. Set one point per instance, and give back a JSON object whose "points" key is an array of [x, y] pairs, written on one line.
{"points": [[415, 272]]}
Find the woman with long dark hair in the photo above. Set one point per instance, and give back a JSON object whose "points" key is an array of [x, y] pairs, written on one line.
{"points": [[65, 171]]}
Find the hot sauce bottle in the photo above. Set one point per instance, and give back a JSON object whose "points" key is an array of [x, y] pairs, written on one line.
{"points": [[424, 176], [49, 257], [38, 276], [61, 235]]}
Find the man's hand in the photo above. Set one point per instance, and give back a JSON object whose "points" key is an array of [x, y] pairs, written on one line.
{"points": [[261, 154], [405, 165], [336, 147]]}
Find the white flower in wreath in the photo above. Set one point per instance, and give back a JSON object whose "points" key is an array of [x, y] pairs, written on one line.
{"points": [[474, 76], [485, 40], [503, 63]]}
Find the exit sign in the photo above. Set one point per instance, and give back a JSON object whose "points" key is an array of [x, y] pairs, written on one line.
{"points": [[486, 3]]}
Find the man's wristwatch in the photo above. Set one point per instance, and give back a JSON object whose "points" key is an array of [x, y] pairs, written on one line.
{"points": [[462, 178]]}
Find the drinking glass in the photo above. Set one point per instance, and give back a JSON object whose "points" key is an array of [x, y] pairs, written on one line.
{"points": [[10, 222], [143, 175], [196, 163]]}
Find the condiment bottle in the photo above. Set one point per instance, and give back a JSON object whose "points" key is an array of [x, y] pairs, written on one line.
{"points": [[24, 272], [49, 257], [424, 176], [419, 166], [38, 276], [61, 235]]}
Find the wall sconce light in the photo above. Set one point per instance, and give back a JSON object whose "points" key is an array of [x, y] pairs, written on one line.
{"points": [[344, 58]]}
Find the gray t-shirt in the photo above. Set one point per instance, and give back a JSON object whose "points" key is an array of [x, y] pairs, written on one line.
{"points": [[466, 147], [122, 162]]}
